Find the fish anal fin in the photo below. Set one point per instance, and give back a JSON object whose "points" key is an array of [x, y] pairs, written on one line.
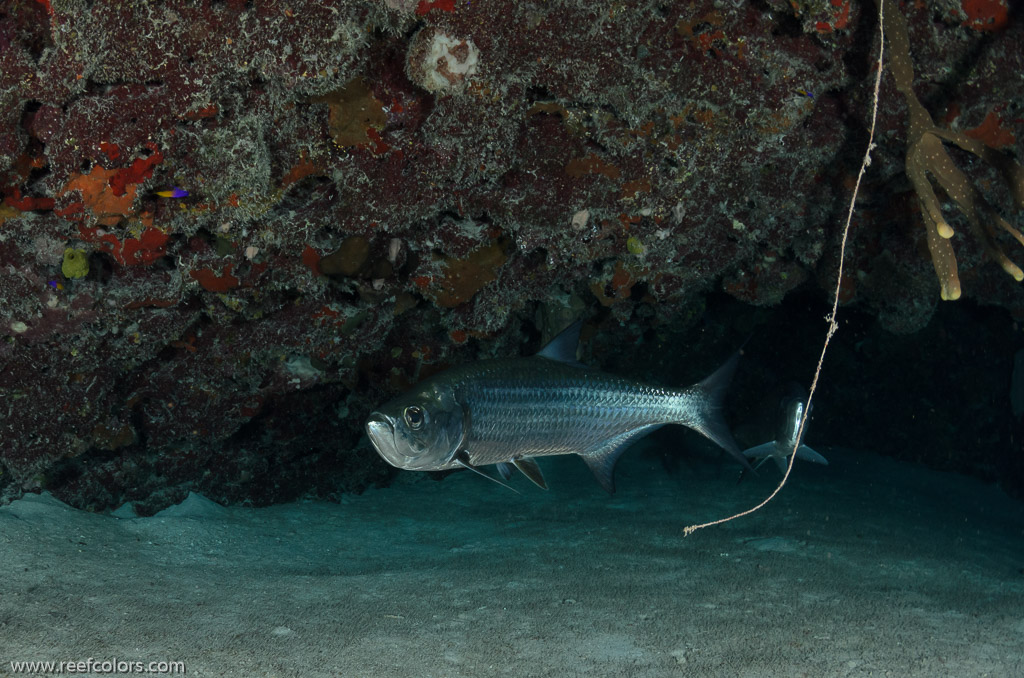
{"points": [[531, 470], [604, 471], [601, 460]]}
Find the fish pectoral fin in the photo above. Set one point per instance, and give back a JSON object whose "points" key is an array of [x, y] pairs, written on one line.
{"points": [[531, 470], [806, 453], [762, 450], [462, 460]]}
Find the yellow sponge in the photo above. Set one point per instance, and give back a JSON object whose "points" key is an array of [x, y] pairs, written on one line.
{"points": [[76, 263]]}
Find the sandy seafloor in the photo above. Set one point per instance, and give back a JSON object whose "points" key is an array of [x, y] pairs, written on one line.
{"points": [[867, 567]]}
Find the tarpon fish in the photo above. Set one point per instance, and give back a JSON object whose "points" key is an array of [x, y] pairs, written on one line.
{"points": [[786, 439], [510, 411]]}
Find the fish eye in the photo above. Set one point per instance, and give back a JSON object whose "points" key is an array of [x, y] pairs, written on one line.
{"points": [[414, 417]]}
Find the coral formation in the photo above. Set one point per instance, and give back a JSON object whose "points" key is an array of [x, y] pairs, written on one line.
{"points": [[282, 214], [926, 156]]}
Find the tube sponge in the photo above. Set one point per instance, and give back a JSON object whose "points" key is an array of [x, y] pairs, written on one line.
{"points": [[927, 160]]}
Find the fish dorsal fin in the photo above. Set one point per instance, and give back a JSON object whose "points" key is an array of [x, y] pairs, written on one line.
{"points": [[602, 460], [563, 347], [462, 460], [531, 470]]}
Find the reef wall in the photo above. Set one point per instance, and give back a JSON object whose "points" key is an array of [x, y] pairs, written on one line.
{"points": [[230, 228]]}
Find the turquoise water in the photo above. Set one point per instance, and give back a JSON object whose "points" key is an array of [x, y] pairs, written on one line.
{"points": [[866, 567]]}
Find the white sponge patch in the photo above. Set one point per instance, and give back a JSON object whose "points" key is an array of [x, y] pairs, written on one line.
{"points": [[447, 63]]}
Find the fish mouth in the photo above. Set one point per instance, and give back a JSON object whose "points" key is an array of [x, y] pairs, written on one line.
{"points": [[381, 432]]}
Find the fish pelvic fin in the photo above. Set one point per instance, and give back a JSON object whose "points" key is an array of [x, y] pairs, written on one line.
{"points": [[527, 466], [506, 470], [708, 397], [531, 470]]}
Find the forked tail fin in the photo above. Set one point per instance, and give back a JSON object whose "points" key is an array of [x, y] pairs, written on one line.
{"points": [[708, 399]]}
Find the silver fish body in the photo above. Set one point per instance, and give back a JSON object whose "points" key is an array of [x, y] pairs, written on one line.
{"points": [[511, 410], [788, 437], [789, 423]]}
